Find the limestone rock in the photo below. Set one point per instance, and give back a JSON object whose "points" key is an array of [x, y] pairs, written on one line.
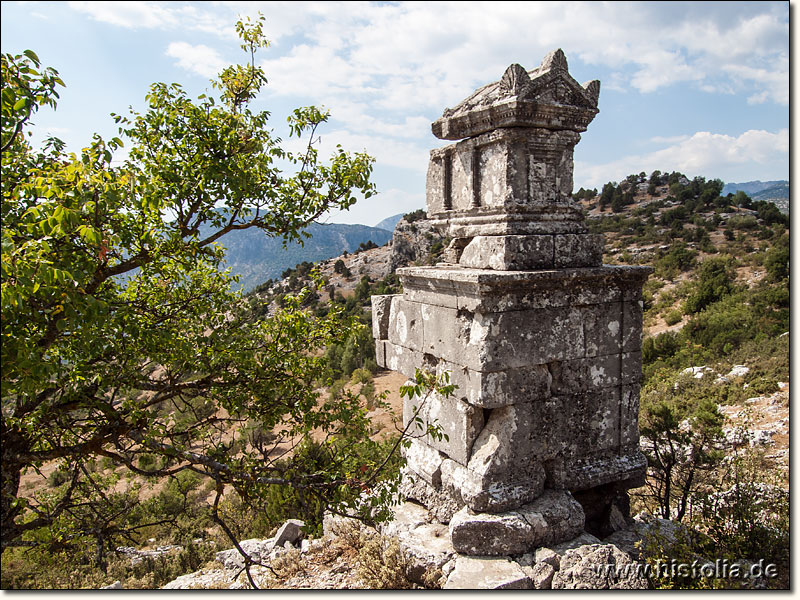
{"points": [[553, 517], [584, 539], [541, 575], [411, 242], [290, 532], [547, 556], [201, 580], [485, 573], [442, 506], [257, 549], [598, 567], [426, 541], [663, 531]]}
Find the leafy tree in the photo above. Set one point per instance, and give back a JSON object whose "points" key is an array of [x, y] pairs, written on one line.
{"points": [[715, 279], [117, 319], [680, 428], [777, 259]]}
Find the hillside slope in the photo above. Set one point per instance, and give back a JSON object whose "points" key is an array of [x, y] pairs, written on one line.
{"points": [[256, 257]]}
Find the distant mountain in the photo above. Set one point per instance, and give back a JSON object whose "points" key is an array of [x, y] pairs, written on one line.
{"points": [[776, 192], [750, 187], [389, 222], [256, 257]]}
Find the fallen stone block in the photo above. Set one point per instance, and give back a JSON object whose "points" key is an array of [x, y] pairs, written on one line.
{"points": [[426, 541], [290, 532], [541, 575], [257, 549]]}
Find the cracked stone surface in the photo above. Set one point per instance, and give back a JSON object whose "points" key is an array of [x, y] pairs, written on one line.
{"points": [[542, 341]]}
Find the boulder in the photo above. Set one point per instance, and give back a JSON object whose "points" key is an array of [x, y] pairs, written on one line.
{"points": [[599, 567]]}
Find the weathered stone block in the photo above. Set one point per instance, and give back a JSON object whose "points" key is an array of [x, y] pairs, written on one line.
{"points": [[632, 326], [509, 252], [406, 324], [501, 388], [523, 338], [629, 416], [483, 573], [585, 473], [458, 420], [381, 309], [504, 443], [584, 374], [441, 505], [553, 517], [424, 461], [455, 336], [493, 493], [578, 250], [577, 424], [484, 534], [631, 368], [400, 359], [602, 325], [486, 291]]}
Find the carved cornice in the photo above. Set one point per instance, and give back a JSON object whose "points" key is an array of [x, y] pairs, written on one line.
{"points": [[544, 97]]}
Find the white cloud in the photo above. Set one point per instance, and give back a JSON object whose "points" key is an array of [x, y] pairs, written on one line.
{"points": [[431, 54], [128, 14], [199, 59], [704, 153], [386, 151]]}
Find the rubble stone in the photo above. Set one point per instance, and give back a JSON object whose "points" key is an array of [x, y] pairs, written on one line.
{"points": [[598, 567]]}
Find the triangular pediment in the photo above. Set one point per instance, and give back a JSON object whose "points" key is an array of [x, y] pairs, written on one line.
{"points": [[549, 88]]}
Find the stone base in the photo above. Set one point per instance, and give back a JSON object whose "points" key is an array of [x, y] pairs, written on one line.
{"points": [[531, 252], [552, 518]]}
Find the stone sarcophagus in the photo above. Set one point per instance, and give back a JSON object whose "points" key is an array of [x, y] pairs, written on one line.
{"points": [[542, 341]]}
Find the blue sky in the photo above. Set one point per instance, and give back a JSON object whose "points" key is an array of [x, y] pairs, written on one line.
{"points": [[697, 87]]}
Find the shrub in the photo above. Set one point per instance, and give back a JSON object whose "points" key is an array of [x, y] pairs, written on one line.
{"points": [[673, 317], [384, 565], [715, 280], [361, 375]]}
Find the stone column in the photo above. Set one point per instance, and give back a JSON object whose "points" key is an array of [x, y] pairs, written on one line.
{"points": [[542, 341]]}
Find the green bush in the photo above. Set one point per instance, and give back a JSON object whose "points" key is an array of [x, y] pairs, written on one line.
{"points": [[673, 317], [715, 280]]}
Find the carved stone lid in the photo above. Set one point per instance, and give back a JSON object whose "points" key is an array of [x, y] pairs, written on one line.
{"points": [[545, 97]]}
